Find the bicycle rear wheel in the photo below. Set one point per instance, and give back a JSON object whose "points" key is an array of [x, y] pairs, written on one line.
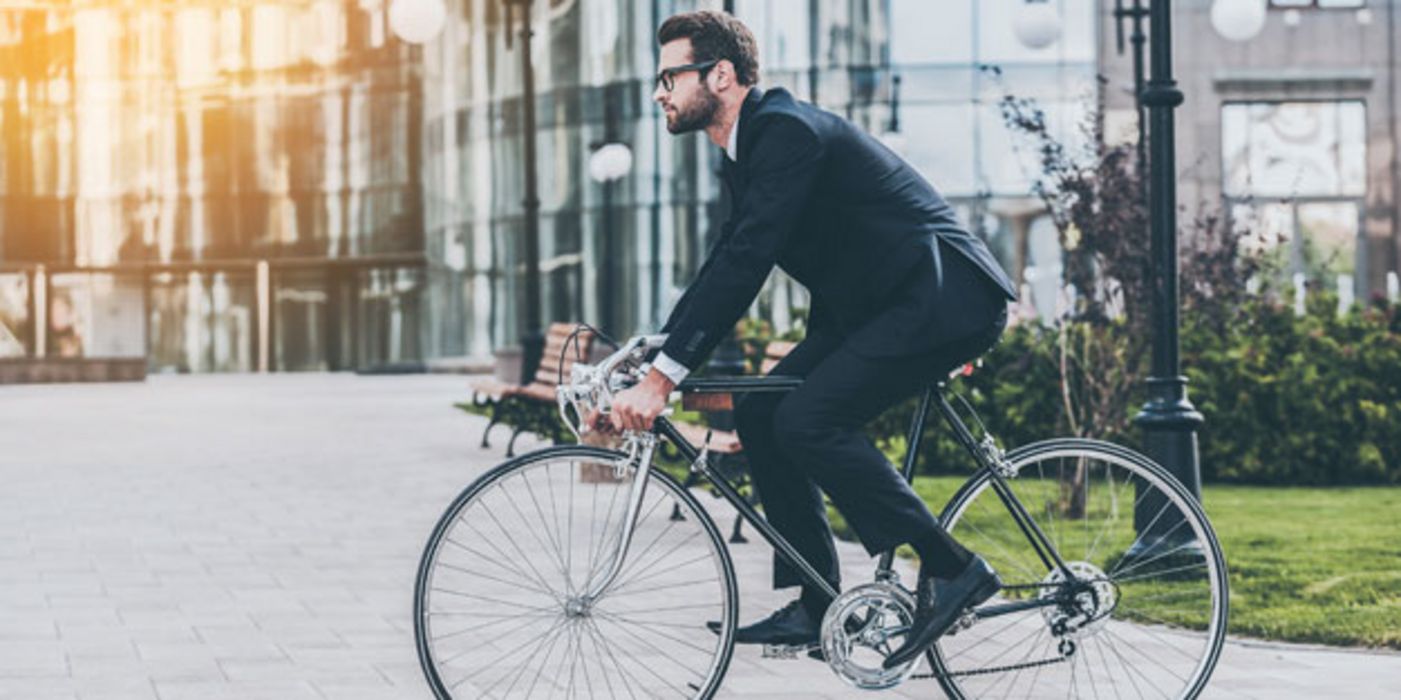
{"points": [[1152, 619], [499, 605]]}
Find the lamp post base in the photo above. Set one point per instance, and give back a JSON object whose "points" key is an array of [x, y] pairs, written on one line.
{"points": [[1170, 424]]}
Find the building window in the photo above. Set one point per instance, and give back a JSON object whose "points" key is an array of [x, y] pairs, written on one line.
{"points": [[1294, 174]]}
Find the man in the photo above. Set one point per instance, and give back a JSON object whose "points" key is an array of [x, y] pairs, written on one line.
{"points": [[901, 294]]}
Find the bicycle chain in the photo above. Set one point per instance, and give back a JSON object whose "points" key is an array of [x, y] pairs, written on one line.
{"points": [[1066, 648], [989, 670]]}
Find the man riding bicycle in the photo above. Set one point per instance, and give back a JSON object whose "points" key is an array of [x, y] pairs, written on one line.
{"points": [[901, 293]]}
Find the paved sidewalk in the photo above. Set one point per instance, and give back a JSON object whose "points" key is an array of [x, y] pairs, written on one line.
{"points": [[254, 537]]}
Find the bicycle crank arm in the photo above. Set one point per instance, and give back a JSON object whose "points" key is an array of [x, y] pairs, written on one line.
{"points": [[789, 652]]}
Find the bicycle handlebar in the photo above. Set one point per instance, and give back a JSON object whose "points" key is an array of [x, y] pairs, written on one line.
{"points": [[591, 387]]}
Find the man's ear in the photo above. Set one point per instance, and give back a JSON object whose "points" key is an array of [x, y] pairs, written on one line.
{"points": [[724, 74]]}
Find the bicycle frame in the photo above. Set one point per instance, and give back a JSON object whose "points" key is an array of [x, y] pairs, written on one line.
{"points": [[988, 462]]}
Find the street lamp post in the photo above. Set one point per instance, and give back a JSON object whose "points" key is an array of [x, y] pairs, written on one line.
{"points": [[610, 162], [1168, 419], [532, 338]]}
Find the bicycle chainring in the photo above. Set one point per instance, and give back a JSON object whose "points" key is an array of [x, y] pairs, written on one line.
{"points": [[862, 627]]}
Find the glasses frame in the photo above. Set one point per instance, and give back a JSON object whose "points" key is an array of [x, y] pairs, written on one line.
{"points": [[666, 77]]}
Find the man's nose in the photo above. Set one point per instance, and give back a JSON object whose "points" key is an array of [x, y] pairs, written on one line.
{"points": [[658, 95]]}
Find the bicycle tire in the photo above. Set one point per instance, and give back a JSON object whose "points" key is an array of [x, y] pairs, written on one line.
{"points": [[649, 550], [1177, 568]]}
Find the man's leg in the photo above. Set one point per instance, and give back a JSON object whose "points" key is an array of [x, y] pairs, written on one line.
{"points": [[792, 503], [819, 428]]}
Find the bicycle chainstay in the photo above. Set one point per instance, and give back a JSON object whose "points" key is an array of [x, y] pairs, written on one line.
{"points": [[1066, 649]]}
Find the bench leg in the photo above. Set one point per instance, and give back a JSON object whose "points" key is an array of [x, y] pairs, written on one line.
{"points": [[495, 418], [738, 537], [511, 446]]}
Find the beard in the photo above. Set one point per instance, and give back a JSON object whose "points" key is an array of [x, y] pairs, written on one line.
{"points": [[696, 116]]}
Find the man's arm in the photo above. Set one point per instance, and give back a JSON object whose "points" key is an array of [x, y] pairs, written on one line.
{"points": [[782, 171]]}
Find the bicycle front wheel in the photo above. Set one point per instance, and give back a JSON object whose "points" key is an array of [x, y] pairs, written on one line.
{"points": [[500, 606], [1147, 620]]}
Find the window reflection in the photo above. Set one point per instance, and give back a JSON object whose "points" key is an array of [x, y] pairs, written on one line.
{"points": [[14, 315], [1328, 240], [95, 315], [202, 322], [782, 29], [390, 313], [301, 316], [1294, 148], [931, 32], [1295, 173]]}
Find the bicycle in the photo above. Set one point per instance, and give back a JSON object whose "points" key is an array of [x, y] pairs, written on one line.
{"points": [[526, 588]]}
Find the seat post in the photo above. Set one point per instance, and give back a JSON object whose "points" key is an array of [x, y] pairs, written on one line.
{"points": [[912, 443], [916, 434]]}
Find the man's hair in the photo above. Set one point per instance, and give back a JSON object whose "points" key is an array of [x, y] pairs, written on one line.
{"points": [[715, 36]]}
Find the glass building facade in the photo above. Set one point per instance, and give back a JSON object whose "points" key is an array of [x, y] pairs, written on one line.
{"points": [[258, 184], [216, 186]]}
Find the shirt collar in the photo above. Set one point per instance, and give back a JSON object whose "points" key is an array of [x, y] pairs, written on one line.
{"points": [[732, 146]]}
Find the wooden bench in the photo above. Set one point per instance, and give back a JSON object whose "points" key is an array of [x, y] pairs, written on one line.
{"points": [[726, 453], [533, 407]]}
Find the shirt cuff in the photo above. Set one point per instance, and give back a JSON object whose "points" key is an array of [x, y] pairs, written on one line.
{"points": [[675, 371]]}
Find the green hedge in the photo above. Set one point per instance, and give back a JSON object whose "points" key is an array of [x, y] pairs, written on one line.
{"points": [[1301, 400], [1288, 400]]}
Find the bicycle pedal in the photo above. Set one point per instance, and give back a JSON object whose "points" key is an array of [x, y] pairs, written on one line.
{"points": [[965, 621], [786, 652]]}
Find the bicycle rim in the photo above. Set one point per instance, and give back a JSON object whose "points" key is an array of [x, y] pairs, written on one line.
{"points": [[499, 608], [1152, 619]]}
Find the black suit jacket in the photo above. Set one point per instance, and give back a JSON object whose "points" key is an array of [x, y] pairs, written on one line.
{"points": [[845, 217]]}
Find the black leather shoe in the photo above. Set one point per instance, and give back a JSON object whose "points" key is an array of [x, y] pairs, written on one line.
{"points": [[939, 603], [791, 625]]}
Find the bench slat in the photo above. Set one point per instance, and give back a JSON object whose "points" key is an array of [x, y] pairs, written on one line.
{"points": [[708, 402]]}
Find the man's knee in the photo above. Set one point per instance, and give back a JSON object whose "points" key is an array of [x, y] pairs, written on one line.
{"points": [[795, 431]]}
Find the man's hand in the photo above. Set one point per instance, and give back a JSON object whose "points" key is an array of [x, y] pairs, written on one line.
{"points": [[637, 407]]}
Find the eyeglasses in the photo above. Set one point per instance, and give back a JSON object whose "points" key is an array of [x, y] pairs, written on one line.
{"points": [[666, 78]]}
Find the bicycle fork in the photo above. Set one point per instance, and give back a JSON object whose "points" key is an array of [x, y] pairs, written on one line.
{"points": [[641, 448]]}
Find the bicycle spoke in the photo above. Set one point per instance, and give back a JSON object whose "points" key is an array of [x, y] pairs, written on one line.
{"points": [[539, 578], [600, 641], [524, 666], [487, 666], [1148, 656], [501, 561], [635, 570], [540, 514], [1131, 669], [468, 572], [648, 667], [1012, 679], [615, 588], [1017, 619]]}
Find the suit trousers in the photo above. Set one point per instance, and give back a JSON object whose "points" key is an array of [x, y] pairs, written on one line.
{"points": [[810, 440]]}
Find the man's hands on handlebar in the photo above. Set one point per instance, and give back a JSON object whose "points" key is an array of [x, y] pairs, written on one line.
{"points": [[636, 407]]}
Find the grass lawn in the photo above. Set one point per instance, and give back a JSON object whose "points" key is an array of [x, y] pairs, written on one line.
{"points": [[1306, 564]]}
